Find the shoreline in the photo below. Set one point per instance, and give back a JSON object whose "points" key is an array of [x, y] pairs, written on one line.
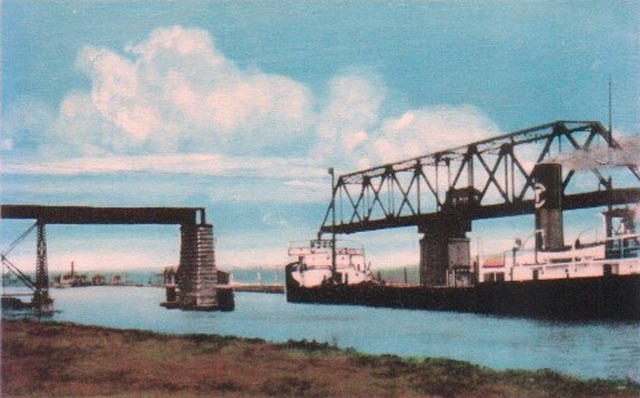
{"points": [[67, 359]]}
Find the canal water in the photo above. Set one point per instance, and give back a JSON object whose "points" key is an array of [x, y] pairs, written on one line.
{"points": [[581, 349]]}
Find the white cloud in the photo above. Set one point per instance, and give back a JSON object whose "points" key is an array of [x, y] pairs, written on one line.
{"points": [[353, 132], [353, 109], [311, 184], [429, 129], [176, 90], [210, 164], [175, 104]]}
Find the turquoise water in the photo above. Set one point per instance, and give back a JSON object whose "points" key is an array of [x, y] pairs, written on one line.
{"points": [[584, 350]]}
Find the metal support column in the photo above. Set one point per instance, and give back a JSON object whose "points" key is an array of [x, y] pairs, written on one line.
{"points": [[41, 301]]}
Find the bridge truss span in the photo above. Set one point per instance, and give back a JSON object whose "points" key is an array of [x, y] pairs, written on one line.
{"points": [[484, 179]]}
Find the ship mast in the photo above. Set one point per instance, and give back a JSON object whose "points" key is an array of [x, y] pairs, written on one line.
{"points": [[333, 225], [610, 118]]}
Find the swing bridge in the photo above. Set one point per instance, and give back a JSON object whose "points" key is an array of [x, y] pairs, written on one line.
{"points": [[443, 192], [440, 193]]}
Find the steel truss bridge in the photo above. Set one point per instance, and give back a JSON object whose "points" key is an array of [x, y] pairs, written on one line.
{"points": [[485, 179], [186, 217]]}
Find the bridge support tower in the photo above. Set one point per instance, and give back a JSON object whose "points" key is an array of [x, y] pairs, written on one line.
{"points": [[41, 300], [548, 205], [197, 274], [443, 248]]}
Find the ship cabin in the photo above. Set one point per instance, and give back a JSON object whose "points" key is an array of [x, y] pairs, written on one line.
{"points": [[317, 254], [618, 254]]}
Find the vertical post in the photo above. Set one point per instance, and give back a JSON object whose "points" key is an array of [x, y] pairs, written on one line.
{"points": [[333, 224], [41, 300], [437, 184], [470, 168], [610, 120], [506, 174], [203, 216], [416, 175], [513, 179]]}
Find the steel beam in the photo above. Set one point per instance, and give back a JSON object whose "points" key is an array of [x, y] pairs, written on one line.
{"points": [[619, 196], [104, 215]]}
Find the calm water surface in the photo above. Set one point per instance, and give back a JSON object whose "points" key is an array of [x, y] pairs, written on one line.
{"points": [[584, 350]]}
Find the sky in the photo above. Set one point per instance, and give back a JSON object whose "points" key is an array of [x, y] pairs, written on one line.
{"points": [[241, 107]]}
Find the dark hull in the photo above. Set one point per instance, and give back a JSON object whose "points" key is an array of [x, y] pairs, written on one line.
{"points": [[612, 297]]}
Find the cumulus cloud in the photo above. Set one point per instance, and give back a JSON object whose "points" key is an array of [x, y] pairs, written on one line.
{"points": [[176, 91], [429, 129], [353, 130], [352, 110]]}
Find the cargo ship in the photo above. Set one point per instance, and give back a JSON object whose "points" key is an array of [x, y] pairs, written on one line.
{"points": [[314, 266], [584, 281]]}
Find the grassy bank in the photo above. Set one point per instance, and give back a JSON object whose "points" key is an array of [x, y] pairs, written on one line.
{"points": [[59, 359]]}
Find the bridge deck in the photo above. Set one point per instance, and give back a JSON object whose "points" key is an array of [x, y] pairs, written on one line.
{"points": [[104, 215], [569, 202]]}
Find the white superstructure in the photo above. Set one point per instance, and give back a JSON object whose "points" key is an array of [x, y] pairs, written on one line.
{"points": [[616, 255], [314, 265]]}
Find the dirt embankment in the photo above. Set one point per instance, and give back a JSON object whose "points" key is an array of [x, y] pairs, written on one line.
{"points": [[55, 359]]}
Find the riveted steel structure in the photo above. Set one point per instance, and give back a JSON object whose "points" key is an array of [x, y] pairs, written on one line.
{"points": [[41, 299], [196, 272], [443, 192]]}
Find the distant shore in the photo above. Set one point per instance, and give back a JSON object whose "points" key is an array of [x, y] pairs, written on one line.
{"points": [[63, 359]]}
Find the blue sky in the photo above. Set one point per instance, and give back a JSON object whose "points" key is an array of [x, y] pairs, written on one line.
{"points": [[240, 107]]}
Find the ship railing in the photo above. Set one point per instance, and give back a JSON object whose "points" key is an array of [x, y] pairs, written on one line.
{"points": [[300, 248], [532, 258], [326, 244], [307, 267], [618, 246]]}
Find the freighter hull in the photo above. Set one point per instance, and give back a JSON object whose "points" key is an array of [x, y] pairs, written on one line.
{"points": [[610, 297]]}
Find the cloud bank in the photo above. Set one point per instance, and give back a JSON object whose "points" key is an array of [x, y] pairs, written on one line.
{"points": [[174, 103]]}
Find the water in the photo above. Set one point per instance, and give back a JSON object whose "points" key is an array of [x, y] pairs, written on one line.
{"points": [[584, 350]]}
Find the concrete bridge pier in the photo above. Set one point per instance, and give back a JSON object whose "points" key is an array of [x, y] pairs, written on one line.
{"points": [[197, 274], [443, 249]]}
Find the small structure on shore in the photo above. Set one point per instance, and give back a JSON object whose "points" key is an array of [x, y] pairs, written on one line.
{"points": [[70, 279]]}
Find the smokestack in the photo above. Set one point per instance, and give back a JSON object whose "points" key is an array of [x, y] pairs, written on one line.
{"points": [[548, 202]]}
